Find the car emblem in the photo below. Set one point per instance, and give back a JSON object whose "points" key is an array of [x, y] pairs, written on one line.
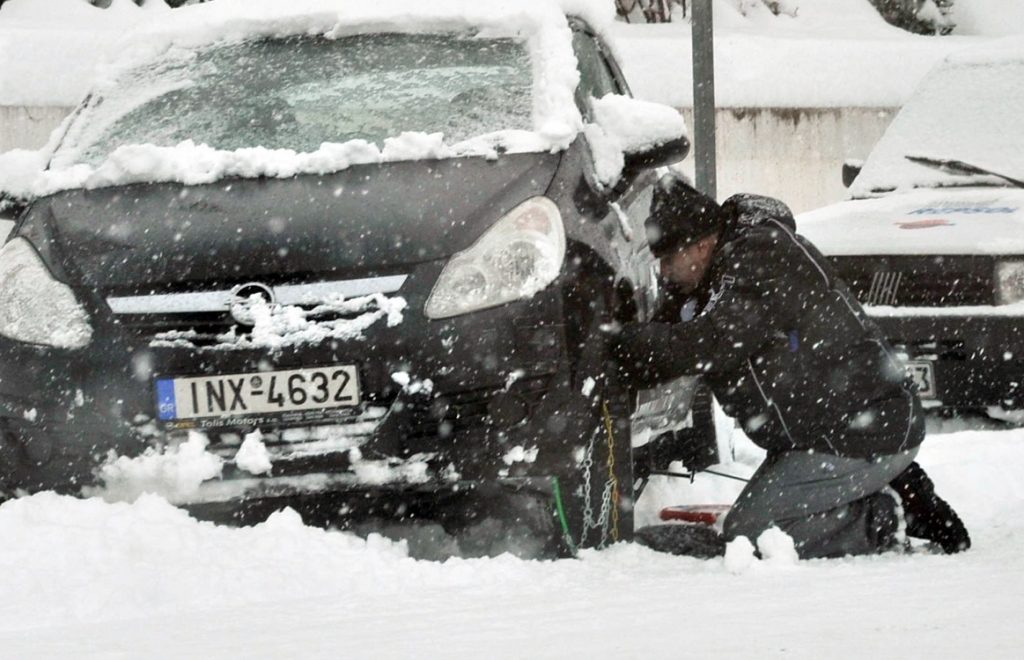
{"points": [[241, 301]]}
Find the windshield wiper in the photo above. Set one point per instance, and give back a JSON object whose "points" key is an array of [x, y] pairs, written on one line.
{"points": [[959, 167]]}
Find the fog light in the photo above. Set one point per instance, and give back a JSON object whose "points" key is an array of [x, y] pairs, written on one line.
{"points": [[508, 410]]}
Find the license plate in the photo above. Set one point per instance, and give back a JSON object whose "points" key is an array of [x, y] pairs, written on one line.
{"points": [[922, 373], [265, 395]]}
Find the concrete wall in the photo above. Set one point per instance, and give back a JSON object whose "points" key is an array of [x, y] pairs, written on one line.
{"points": [[28, 127], [793, 154]]}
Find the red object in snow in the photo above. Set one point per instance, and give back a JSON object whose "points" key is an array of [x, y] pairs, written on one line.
{"points": [[705, 514]]}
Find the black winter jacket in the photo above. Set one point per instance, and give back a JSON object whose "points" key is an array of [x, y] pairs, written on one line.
{"points": [[783, 344]]}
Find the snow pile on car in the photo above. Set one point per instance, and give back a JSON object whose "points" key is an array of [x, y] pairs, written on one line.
{"points": [[276, 326], [626, 125], [542, 25], [970, 108]]}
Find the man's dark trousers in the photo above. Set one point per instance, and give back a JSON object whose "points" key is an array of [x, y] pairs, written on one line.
{"points": [[831, 506]]}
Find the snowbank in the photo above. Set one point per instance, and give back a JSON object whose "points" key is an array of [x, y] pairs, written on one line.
{"points": [[49, 47], [832, 53], [988, 17], [802, 69], [83, 578]]}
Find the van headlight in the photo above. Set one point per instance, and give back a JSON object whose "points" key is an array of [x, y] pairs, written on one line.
{"points": [[517, 257], [1009, 282], [34, 307]]}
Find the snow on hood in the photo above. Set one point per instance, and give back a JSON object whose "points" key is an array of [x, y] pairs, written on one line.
{"points": [[939, 221], [541, 23]]}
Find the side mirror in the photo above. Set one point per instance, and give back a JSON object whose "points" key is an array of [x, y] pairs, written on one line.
{"points": [[19, 169], [660, 155], [11, 207], [851, 168], [629, 135]]}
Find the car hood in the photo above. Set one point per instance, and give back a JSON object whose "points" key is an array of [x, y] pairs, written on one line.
{"points": [[366, 219], [948, 221]]}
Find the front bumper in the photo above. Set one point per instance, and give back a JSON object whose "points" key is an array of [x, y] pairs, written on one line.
{"points": [[500, 381], [977, 358]]}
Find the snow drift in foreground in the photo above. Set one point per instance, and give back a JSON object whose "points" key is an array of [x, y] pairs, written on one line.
{"points": [[84, 578]]}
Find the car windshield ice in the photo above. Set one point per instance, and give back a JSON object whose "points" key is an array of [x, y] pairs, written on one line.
{"points": [[297, 93], [969, 110]]}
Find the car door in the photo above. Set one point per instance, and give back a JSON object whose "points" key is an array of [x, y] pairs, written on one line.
{"points": [[667, 407]]}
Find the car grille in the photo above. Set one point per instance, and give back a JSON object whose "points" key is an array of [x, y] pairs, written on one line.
{"points": [[208, 328], [202, 318], [927, 281]]}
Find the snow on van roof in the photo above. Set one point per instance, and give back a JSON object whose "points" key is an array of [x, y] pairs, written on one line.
{"points": [[540, 24]]}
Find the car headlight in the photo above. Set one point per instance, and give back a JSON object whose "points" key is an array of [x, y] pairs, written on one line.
{"points": [[34, 307], [517, 257], [1009, 282]]}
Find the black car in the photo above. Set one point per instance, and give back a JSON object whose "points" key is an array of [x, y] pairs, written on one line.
{"points": [[410, 337]]}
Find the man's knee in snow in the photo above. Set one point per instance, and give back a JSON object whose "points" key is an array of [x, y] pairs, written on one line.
{"points": [[739, 522]]}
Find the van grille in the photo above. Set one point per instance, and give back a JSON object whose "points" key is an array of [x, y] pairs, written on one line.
{"points": [[927, 281]]}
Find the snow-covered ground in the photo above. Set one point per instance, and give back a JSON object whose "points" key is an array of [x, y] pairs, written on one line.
{"points": [[87, 579]]}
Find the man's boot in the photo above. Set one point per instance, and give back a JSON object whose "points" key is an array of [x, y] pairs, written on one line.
{"points": [[886, 527], [928, 515]]}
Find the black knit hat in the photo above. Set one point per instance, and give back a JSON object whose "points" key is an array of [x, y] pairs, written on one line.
{"points": [[680, 216]]}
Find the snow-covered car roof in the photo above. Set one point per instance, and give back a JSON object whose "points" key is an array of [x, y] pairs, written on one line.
{"points": [[970, 108], [540, 24]]}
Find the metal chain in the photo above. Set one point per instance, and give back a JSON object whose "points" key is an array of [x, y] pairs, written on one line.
{"points": [[608, 518], [588, 510], [606, 505], [613, 480]]}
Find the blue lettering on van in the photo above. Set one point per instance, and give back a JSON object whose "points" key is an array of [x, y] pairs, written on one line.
{"points": [[966, 210]]}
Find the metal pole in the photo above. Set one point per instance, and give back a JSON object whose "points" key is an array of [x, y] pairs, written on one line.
{"points": [[704, 98]]}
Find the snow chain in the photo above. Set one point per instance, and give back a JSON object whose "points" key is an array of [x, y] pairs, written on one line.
{"points": [[613, 481], [608, 518]]}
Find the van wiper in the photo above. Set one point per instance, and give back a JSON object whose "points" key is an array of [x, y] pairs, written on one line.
{"points": [[959, 167]]}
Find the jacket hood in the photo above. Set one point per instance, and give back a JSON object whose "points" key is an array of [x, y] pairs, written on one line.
{"points": [[746, 210]]}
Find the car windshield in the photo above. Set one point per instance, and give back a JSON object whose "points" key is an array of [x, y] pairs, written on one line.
{"points": [[969, 111], [297, 93]]}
